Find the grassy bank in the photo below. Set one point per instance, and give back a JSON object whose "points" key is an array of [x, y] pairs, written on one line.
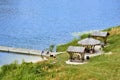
{"points": [[104, 67], [74, 42]]}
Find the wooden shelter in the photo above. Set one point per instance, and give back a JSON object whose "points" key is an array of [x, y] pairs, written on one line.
{"points": [[76, 53], [89, 44], [100, 34]]}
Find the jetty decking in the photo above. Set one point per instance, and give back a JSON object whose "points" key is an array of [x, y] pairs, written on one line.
{"points": [[20, 51]]}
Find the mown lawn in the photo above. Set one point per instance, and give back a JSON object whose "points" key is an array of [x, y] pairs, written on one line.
{"points": [[103, 67]]}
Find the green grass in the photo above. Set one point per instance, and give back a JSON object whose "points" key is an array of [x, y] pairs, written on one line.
{"points": [[103, 67], [63, 47], [74, 42], [113, 40]]}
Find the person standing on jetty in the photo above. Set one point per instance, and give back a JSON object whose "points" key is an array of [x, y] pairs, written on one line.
{"points": [[42, 52], [47, 52], [53, 56]]}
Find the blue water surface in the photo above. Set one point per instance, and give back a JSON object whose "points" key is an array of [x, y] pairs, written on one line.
{"points": [[36, 24]]}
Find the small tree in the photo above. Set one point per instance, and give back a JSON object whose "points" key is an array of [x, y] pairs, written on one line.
{"points": [[51, 48]]}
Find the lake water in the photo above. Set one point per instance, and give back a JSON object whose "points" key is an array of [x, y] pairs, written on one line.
{"points": [[36, 24], [7, 58]]}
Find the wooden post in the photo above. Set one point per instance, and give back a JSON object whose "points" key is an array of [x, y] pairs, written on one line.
{"points": [[105, 40], [82, 56], [71, 56]]}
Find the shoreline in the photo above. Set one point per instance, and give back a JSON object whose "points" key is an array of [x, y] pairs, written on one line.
{"points": [[36, 60], [77, 35], [19, 58]]}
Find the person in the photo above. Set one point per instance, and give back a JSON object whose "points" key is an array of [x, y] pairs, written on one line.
{"points": [[54, 57], [47, 52], [42, 54]]}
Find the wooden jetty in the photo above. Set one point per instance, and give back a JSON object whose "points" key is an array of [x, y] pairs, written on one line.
{"points": [[20, 51]]}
